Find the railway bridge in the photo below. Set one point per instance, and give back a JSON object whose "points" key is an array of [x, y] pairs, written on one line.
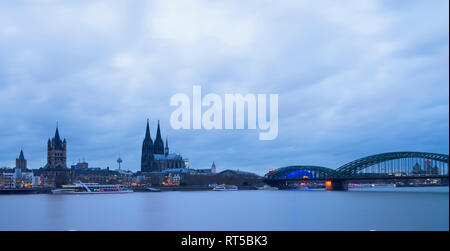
{"points": [[394, 166]]}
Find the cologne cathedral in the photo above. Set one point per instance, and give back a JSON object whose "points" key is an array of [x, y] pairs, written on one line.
{"points": [[156, 156]]}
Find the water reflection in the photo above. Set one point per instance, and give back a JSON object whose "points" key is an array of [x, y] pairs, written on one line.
{"points": [[404, 209]]}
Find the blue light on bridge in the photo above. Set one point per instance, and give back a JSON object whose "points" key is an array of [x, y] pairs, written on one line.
{"points": [[297, 174]]}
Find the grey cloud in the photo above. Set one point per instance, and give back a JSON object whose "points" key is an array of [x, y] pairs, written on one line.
{"points": [[354, 78]]}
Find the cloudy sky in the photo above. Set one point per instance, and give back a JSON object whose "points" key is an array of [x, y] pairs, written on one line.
{"points": [[354, 78]]}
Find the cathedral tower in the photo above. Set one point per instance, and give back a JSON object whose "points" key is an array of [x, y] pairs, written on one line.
{"points": [[147, 151], [159, 144]]}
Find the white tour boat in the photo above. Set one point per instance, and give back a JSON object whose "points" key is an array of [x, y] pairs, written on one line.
{"points": [[91, 188], [225, 188]]}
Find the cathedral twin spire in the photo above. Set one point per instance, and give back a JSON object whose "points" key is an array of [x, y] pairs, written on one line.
{"points": [[158, 145], [150, 149]]}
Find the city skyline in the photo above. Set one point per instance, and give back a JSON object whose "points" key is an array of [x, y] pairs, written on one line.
{"points": [[147, 137], [353, 78], [55, 140]]}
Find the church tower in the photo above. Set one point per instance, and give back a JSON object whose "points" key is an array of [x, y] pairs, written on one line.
{"points": [[213, 168], [21, 162], [147, 151], [159, 144], [56, 152]]}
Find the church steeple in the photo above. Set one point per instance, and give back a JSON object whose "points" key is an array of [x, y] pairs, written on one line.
{"points": [[21, 156], [147, 132], [147, 151], [57, 143], [21, 162], [166, 150], [57, 134], [213, 168], [158, 132], [159, 144], [148, 142]]}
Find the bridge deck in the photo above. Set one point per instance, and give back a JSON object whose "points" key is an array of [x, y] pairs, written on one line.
{"points": [[365, 178]]}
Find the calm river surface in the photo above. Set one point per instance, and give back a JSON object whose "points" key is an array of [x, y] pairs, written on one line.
{"points": [[366, 209]]}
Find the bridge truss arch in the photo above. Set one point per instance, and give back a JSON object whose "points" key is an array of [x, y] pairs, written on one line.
{"points": [[301, 172], [397, 163]]}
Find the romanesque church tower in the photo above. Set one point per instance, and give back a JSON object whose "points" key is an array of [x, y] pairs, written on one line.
{"points": [[56, 152]]}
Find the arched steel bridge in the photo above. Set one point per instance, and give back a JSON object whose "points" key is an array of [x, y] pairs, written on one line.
{"points": [[293, 172], [358, 165], [393, 165]]}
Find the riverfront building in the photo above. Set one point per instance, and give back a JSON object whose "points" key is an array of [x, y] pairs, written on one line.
{"points": [[101, 176], [16, 178], [210, 171]]}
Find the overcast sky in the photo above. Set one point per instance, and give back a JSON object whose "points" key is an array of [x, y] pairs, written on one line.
{"points": [[354, 78]]}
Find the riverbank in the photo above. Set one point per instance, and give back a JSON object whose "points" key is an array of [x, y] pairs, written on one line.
{"points": [[25, 191], [136, 189]]}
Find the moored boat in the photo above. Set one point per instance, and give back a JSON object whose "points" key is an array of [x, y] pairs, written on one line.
{"points": [[225, 188], [152, 189]]}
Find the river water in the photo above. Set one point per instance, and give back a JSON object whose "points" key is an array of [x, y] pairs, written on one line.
{"points": [[363, 209]]}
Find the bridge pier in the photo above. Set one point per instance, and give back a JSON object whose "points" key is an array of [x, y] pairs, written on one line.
{"points": [[336, 185]]}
